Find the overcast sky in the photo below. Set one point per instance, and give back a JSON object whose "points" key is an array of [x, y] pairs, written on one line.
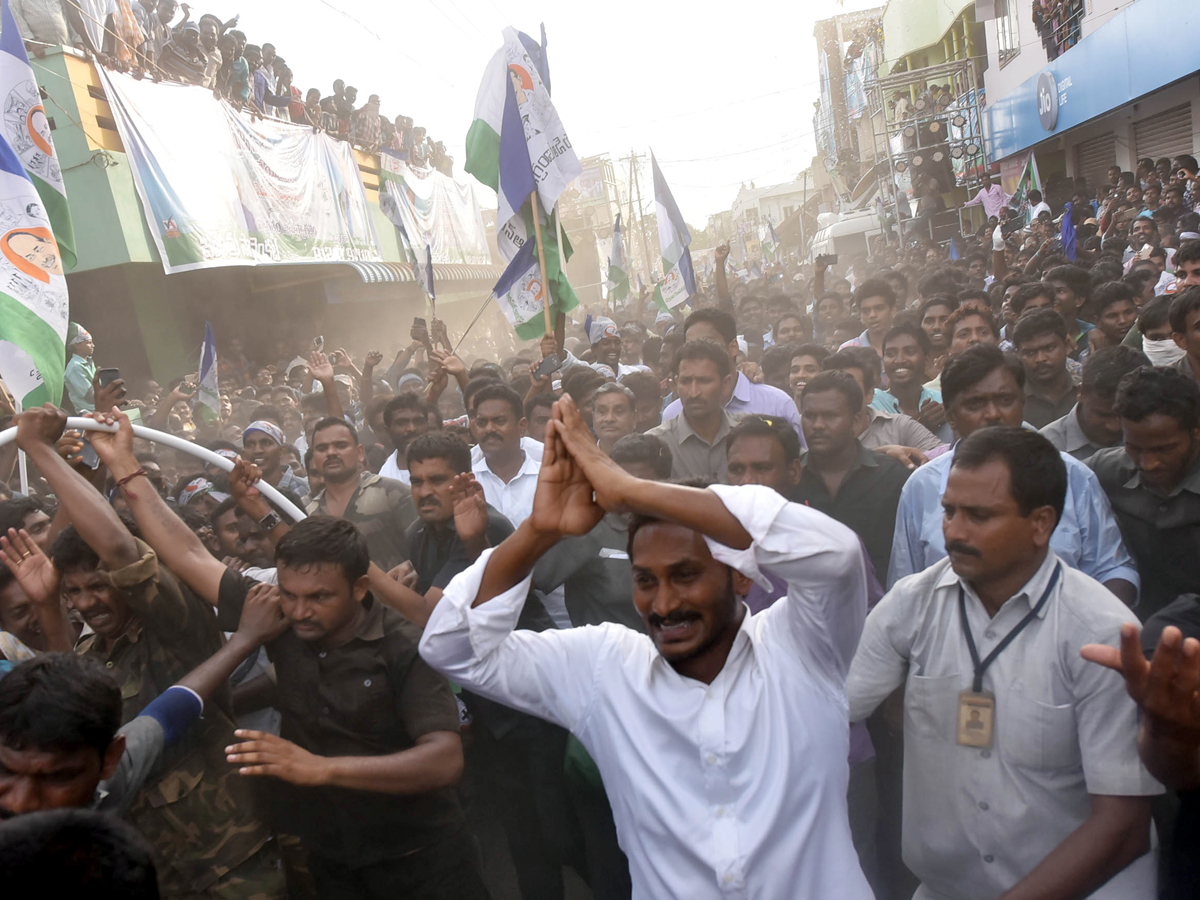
{"points": [[723, 93]]}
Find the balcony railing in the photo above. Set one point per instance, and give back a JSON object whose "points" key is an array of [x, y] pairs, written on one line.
{"points": [[1059, 23]]}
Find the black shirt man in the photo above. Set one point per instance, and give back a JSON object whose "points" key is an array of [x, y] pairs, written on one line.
{"points": [[858, 487]]}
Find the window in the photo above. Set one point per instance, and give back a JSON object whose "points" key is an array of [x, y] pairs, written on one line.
{"points": [[787, 211], [1008, 40]]}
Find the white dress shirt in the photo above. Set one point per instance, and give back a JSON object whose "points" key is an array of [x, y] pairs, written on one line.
{"points": [[529, 445], [514, 500], [733, 789], [978, 821], [391, 468]]}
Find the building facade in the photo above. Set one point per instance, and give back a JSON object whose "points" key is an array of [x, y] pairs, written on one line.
{"points": [[1106, 83]]}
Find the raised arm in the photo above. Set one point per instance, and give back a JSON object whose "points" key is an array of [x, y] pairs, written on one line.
{"points": [[177, 547], [721, 255], [322, 370], [38, 431]]}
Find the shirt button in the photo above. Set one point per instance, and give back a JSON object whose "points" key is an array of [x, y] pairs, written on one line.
{"points": [[711, 759], [325, 710], [983, 805], [986, 754], [989, 858], [108, 664], [727, 878], [367, 682], [321, 654], [989, 634]]}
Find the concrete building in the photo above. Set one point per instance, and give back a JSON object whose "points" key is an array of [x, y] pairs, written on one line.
{"points": [[150, 324], [1111, 82]]}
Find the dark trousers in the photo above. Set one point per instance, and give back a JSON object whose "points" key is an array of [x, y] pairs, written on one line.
{"points": [[446, 870], [522, 772]]}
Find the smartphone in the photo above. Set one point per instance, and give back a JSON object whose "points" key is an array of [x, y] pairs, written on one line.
{"points": [[550, 364], [89, 456], [319, 342], [418, 322], [105, 377], [187, 387], [335, 358], [827, 259]]}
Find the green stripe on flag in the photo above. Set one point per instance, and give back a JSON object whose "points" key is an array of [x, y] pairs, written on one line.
{"points": [[60, 219], [30, 332], [563, 296], [483, 154]]}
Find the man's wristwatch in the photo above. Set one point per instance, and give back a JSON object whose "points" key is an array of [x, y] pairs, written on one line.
{"points": [[270, 521]]}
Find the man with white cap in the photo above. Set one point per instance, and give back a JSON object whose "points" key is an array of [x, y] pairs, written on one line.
{"points": [[606, 348], [262, 444], [81, 369]]}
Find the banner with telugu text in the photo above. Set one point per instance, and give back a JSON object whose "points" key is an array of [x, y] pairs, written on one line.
{"points": [[220, 190], [434, 210]]}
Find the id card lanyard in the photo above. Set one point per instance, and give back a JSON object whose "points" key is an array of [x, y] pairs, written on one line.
{"points": [[977, 707]]}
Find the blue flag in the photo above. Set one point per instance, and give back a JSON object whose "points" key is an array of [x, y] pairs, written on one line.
{"points": [[953, 249], [537, 53], [679, 277], [208, 397], [1068, 233]]}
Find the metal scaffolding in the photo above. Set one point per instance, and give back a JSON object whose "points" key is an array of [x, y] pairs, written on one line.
{"points": [[930, 135]]}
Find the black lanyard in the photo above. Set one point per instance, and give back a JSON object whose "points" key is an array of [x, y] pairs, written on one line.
{"points": [[981, 667]]}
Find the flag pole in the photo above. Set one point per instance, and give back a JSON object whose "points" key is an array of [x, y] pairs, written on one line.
{"points": [[537, 231]]}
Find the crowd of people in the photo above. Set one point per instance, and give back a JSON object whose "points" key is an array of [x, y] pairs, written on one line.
{"points": [[862, 579], [144, 38]]}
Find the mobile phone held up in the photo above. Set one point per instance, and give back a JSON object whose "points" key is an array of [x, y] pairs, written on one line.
{"points": [[827, 260], [550, 364], [105, 377], [418, 322]]}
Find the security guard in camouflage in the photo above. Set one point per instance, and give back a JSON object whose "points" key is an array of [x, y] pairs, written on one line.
{"points": [[198, 814]]}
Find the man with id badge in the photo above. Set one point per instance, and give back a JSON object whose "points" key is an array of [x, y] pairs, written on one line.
{"points": [[1021, 772]]}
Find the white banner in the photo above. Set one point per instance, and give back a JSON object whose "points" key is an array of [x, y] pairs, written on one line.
{"points": [[219, 190], [435, 210]]}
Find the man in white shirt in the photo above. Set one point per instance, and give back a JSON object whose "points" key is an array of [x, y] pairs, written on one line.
{"points": [[1037, 205], [507, 470], [1021, 770], [606, 344], [406, 417], [720, 735]]}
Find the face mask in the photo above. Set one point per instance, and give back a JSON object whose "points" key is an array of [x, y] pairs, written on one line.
{"points": [[1162, 353]]}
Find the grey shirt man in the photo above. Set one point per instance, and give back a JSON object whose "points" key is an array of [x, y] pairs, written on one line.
{"points": [[693, 456], [1067, 437]]}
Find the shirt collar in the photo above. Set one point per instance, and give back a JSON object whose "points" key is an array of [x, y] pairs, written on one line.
{"points": [[686, 431], [1189, 482], [371, 627], [529, 466], [741, 388], [1030, 592], [1074, 438]]}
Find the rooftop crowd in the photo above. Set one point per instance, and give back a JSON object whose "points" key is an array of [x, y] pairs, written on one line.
{"points": [[148, 39], [874, 578]]}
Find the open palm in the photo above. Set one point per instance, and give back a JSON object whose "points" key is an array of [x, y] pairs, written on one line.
{"points": [[30, 566]]}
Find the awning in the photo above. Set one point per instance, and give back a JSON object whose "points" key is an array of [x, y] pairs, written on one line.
{"points": [[380, 272], [384, 272]]}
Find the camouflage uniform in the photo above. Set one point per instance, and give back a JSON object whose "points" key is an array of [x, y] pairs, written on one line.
{"points": [[197, 813], [382, 508]]}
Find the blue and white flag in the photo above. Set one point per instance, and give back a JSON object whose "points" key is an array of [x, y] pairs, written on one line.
{"points": [[520, 294], [33, 290], [208, 397], [422, 262], [953, 249], [618, 268], [679, 278], [27, 130], [517, 143]]}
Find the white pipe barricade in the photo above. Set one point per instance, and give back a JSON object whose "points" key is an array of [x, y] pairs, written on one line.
{"points": [[176, 443]]}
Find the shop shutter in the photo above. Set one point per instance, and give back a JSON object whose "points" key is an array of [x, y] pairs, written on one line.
{"points": [[1167, 134], [1095, 157]]}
